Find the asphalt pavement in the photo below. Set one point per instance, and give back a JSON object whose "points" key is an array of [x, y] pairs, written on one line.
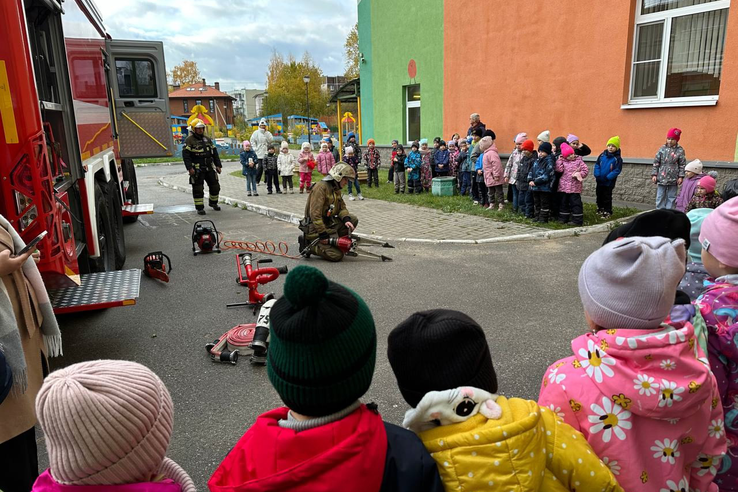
{"points": [[524, 294]]}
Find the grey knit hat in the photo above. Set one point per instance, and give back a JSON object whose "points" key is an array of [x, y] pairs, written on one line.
{"points": [[631, 283]]}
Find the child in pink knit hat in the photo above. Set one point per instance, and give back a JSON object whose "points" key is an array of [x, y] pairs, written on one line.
{"points": [[705, 195], [719, 307], [573, 171], [107, 423]]}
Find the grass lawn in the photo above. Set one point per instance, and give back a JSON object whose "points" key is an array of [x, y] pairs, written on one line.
{"points": [[464, 205]]}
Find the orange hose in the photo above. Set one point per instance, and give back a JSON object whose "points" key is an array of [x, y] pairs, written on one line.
{"points": [[263, 247]]}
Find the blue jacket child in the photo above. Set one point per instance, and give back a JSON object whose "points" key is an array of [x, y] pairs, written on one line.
{"points": [[608, 167], [441, 159], [244, 157], [542, 173], [413, 163]]}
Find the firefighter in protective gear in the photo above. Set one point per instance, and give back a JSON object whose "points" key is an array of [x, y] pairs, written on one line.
{"points": [[326, 215], [203, 163]]}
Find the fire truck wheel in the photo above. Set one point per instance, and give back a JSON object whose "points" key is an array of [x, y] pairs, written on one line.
{"points": [[129, 174], [106, 261], [116, 221]]}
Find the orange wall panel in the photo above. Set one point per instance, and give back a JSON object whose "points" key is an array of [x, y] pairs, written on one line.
{"points": [[565, 66]]}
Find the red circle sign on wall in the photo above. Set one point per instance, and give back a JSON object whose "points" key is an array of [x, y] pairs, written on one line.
{"points": [[412, 69]]}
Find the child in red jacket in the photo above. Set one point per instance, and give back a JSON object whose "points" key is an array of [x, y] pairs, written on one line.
{"points": [[322, 352]]}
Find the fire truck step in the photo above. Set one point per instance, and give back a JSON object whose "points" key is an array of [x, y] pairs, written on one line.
{"points": [[98, 291], [140, 209]]}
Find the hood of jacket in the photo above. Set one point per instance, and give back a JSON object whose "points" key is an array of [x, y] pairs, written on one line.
{"points": [[494, 442], [658, 369], [350, 451], [485, 144], [526, 449]]}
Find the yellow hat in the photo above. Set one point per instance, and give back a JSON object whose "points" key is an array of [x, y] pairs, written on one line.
{"points": [[614, 141]]}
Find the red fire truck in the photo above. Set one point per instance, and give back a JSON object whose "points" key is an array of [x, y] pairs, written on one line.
{"points": [[76, 106]]}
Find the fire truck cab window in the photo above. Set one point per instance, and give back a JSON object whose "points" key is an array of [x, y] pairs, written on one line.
{"points": [[135, 78]]}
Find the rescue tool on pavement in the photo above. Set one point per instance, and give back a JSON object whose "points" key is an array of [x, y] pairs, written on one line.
{"points": [[246, 339], [349, 245], [251, 277], [205, 238], [155, 267]]}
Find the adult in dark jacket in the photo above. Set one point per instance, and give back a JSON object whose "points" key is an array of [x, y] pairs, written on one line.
{"points": [[475, 123], [321, 360], [333, 149]]}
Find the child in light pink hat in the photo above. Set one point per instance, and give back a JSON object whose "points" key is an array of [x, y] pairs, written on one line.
{"points": [[107, 424], [719, 307]]}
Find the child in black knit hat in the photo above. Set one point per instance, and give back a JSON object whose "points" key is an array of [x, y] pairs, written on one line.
{"points": [[480, 440], [322, 353]]}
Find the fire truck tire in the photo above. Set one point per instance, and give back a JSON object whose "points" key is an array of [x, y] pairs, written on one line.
{"points": [[116, 221], [106, 261], [129, 174]]}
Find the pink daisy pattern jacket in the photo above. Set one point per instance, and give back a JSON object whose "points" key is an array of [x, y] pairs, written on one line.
{"points": [[646, 402]]}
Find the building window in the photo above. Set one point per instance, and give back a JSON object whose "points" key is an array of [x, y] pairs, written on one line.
{"points": [[678, 50], [212, 106], [185, 105], [135, 78], [412, 113]]}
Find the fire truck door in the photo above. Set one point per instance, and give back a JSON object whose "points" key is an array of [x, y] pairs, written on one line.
{"points": [[138, 91]]}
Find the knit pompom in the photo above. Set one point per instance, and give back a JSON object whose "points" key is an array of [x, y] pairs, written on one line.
{"points": [[305, 285]]}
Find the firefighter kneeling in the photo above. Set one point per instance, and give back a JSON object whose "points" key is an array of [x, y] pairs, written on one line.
{"points": [[202, 162], [326, 215]]}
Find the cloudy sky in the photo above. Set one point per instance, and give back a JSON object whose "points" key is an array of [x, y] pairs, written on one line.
{"points": [[232, 40]]}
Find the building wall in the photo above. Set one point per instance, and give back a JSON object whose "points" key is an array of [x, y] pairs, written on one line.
{"points": [[394, 42], [530, 71], [366, 75]]}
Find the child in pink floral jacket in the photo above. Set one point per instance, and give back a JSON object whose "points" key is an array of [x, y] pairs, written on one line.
{"points": [[719, 307], [573, 170], [636, 388]]}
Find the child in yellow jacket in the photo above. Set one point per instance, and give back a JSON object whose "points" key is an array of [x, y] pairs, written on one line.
{"points": [[477, 438]]}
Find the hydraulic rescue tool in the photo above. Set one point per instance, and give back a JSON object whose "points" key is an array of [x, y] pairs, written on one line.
{"points": [[155, 267], [245, 339], [351, 246], [251, 277], [205, 237]]}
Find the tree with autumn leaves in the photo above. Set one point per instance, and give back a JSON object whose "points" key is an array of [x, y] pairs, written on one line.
{"points": [[186, 73], [287, 90]]}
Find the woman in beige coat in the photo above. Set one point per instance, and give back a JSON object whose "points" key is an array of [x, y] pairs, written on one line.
{"points": [[28, 334]]}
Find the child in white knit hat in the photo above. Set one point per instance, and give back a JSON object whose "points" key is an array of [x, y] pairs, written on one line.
{"points": [[107, 423]]}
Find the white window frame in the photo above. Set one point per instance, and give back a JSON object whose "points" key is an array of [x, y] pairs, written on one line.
{"points": [[408, 105], [666, 17]]}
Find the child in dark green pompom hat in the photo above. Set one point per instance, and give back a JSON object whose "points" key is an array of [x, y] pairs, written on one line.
{"points": [[322, 353]]}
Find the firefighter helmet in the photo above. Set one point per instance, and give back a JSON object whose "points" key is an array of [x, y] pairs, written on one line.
{"points": [[197, 123], [342, 170]]}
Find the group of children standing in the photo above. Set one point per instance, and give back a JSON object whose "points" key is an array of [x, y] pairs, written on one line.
{"points": [[646, 401]]}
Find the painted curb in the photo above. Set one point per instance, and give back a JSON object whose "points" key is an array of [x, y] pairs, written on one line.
{"points": [[295, 220]]}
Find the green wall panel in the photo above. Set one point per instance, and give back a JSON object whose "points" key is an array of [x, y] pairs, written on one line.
{"points": [[401, 31], [365, 68]]}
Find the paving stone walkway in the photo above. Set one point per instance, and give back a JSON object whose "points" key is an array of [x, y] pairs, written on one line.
{"points": [[377, 217]]}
